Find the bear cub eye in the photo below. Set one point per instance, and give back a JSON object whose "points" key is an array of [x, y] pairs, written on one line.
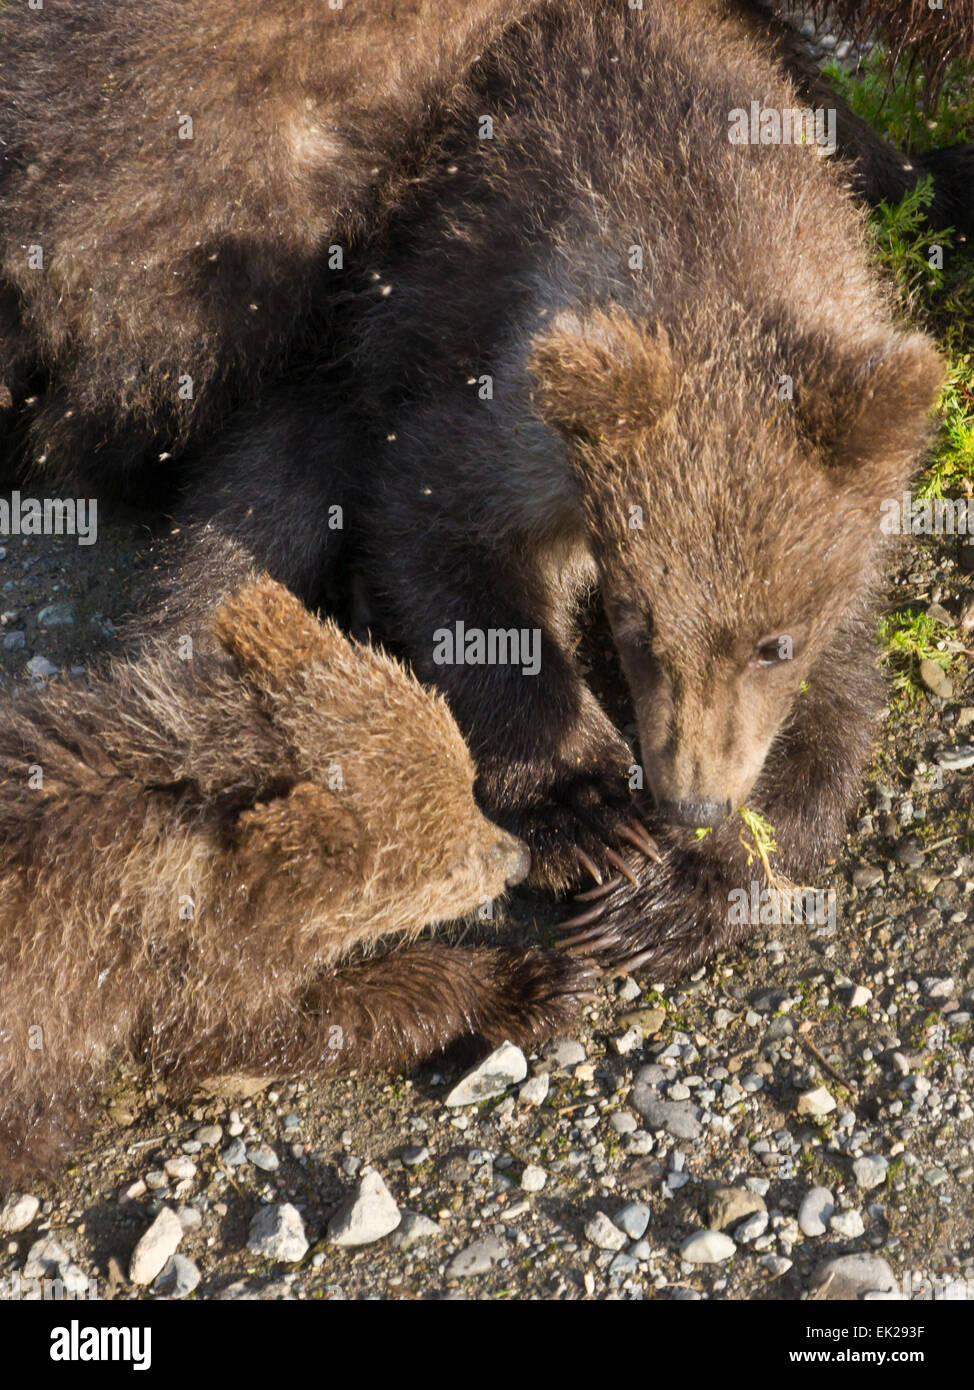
{"points": [[774, 650]]}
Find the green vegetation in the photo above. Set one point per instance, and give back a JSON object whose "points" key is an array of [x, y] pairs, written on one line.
{"points": [[933, 270], [907, 639]]}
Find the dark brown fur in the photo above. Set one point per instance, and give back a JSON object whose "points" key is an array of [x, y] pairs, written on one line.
{"points": [[615, 389], [184, 882], [205, 258]]}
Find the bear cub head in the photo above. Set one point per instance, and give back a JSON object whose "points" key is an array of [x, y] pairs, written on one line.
{"points": [[735, 526]]}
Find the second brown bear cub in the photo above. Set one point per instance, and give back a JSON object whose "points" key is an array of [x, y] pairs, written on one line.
{"points": [[199, 858]]}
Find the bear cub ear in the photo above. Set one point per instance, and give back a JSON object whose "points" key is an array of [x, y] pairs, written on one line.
{"points": [[602, 378], [872, 412], [271, 633]]}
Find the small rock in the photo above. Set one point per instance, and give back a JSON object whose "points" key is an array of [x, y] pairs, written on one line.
{"points": [[818, 1206], [277, 1233], [180, 1168], [56, 615], [264, 1158], [564, 1053], [210, 1134], [728, 1205], [14, 641], [935, 987], [178, 1278], [647, 1021], [628, 1042], [18, 1211], [505, 1067], [40, 668], [848, 1224], [603, 1233], [535, 1090], [413, 1228], [235, 1153], [367, 1215], [870, 1171], [752, 1228], [859, 997], [477, 1258], [156, 1247], [707, 1248], [533, 1178], [867, 876], [936, 680], [851, 1277], [817, 1102], [415, 1156], [189, 1218], [954, 759], [633, 1219]]}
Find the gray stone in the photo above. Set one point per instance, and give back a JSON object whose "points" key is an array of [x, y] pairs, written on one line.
{"points": [[954, 759], [533, 1178], [866, 876], [816, 1102], [676, 1117], [178, 1278], [851, 1277], [504, 1068], [210, 1134], [751, 1228], [603, 1233], [14, 641], [707, 1248], [565, 1053], [264, 1158], [848, 1224], [277, 1233], [477, 1258], [535, 1090], [18, 1211], [727, 1206], [56, 615], [367, 1215], [40, 668], [156, 1247], [816, 1210], [412, 1229], [633, 1219], [870, 1171]]}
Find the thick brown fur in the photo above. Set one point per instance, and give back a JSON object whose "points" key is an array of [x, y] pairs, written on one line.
{"points": [[177, 272], [635, 437], [202, 857], [169, 257]]}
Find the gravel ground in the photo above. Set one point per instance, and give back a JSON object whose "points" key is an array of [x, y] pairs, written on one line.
{"points": [[804, 1099]]}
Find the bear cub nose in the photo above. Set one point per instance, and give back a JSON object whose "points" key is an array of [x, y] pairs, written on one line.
{"points": [[695, 813]]}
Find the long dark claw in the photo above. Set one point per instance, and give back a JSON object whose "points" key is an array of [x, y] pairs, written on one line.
{"points": [[598, 937], [630, 966], [619, 863], [591, 894], [591, 914], [588, 863], [637, 835]]}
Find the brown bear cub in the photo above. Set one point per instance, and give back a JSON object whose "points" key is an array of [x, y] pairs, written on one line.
{"points": [[658, 361], [199, 859]]}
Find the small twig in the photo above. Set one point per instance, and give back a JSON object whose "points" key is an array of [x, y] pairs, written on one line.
{"points": [[827, 1066]]}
